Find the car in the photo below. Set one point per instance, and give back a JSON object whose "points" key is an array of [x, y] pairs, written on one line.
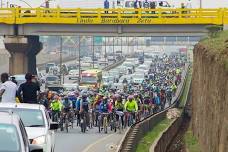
{"points": [[69, 87], [128, 77], [143, 67], [114, 73], [138, 78], [73, 74], [20, 78], [108, 80], [13, 134], [51, 80], [72, 67], [37, 123], [48, 66]]}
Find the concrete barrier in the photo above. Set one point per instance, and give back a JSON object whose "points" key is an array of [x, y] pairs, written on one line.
{"points": [[139, 130]]}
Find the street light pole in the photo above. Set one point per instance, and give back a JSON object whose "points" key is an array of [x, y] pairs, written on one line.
{"points": [[61, 61], [79, 60], [113, 48], [93, 49], [105, 51]]}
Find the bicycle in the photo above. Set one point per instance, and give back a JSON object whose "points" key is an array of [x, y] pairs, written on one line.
{"points": [[104, 123], [83, 122], [119, 124]]}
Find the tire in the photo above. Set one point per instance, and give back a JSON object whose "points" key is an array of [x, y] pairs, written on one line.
{"points": [[67, 125]]}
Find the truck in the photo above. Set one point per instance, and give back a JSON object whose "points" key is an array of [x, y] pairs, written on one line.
{"points": [[91, 78]]}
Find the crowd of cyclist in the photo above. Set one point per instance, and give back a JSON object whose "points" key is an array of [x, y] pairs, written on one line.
{"points": [[139, 101]]}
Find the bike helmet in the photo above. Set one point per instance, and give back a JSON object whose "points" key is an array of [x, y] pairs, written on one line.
{"points": [[130, 97]]}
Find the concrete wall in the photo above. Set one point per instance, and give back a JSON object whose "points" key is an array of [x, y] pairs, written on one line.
{"points": [[4, 61]]}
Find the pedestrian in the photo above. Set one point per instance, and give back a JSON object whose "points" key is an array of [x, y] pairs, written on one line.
{"points": [[152, 6], [8, 89], [136, 6], [29, 90], [146, 5], [106, 6], [13, 79]]}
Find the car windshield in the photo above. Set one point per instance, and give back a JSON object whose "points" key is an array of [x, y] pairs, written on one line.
{"points": [[138, 76], [51, 78], [88, 79], [30, 117], [9, 139], [20, 78]]}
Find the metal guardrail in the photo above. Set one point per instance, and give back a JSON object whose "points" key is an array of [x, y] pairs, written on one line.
{"points": [[113, 16], [138, 130]]}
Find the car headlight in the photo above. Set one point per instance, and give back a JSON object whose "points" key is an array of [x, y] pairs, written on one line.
{"points": [[39, 140]]}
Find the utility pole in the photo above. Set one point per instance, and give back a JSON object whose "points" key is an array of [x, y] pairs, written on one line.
{"points": [[113, 48], [201, 3], [61, 61], [105, 51], [121, 41], [79, 60], [93, 49]]}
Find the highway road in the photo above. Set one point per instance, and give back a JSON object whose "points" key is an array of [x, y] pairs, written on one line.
{"points": [[91, 141]]}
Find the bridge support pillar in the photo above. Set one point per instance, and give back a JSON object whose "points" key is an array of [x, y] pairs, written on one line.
{"points": [[23, 51]]}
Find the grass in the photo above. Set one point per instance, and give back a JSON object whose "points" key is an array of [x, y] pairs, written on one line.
{"points": [[191, 142], [184, 96], [218, 47], [145, 143]]}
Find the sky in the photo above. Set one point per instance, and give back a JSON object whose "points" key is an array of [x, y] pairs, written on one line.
{"points": [[99, 3]]}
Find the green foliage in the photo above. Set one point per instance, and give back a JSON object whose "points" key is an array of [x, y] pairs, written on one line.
{"points": [[214, 30], [148, 140], [191, 142]]}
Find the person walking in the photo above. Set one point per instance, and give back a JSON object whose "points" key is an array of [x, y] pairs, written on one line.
{"points": [[8, 89], [152, 6], [106, 6], [29, 90]]}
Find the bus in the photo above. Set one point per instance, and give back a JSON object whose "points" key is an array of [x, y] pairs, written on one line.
{"points": [[91, 78]]}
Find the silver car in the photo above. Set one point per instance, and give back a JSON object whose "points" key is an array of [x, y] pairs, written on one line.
{"points": [[37, 123]]}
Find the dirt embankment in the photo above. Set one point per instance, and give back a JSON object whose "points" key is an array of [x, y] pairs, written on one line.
{"points": [[210, 97]]}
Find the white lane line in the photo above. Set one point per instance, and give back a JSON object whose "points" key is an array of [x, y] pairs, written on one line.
{"points": [[95, 143]]}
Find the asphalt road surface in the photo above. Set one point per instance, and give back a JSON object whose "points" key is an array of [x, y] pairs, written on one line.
{"points": [[91, 141]]}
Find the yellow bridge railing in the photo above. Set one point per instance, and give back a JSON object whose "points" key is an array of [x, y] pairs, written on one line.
{"points": [[113, 16]]}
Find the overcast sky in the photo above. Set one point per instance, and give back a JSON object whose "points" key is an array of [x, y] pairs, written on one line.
{"points": [[99, 3]]}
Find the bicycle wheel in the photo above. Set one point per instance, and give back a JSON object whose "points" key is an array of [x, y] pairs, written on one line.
{"points": [[67, 124], [105, 125]]}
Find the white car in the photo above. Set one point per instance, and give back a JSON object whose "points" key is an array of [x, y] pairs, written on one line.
{"points": [[138, 78], [73, 74], [37, 123], [20, 78], [108, 80], [143, 67]]}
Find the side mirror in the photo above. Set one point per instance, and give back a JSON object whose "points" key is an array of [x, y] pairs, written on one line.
{"points": [[35, 148], [54, 126]]}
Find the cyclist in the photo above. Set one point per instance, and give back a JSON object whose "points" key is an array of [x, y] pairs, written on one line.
{"points": [[67, 105], [43, 100], [104, 105], [56, 108], [119, 108], [96, 106], [84, 108], [131, 106]]}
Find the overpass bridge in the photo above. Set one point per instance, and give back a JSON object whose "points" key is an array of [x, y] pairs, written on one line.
{"points": [[23, 26]]}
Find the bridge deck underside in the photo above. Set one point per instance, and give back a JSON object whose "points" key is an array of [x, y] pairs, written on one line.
{"points": [[104, 30]]}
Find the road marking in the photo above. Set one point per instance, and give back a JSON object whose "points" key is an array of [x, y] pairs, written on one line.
{"points": [[95, 143]]}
